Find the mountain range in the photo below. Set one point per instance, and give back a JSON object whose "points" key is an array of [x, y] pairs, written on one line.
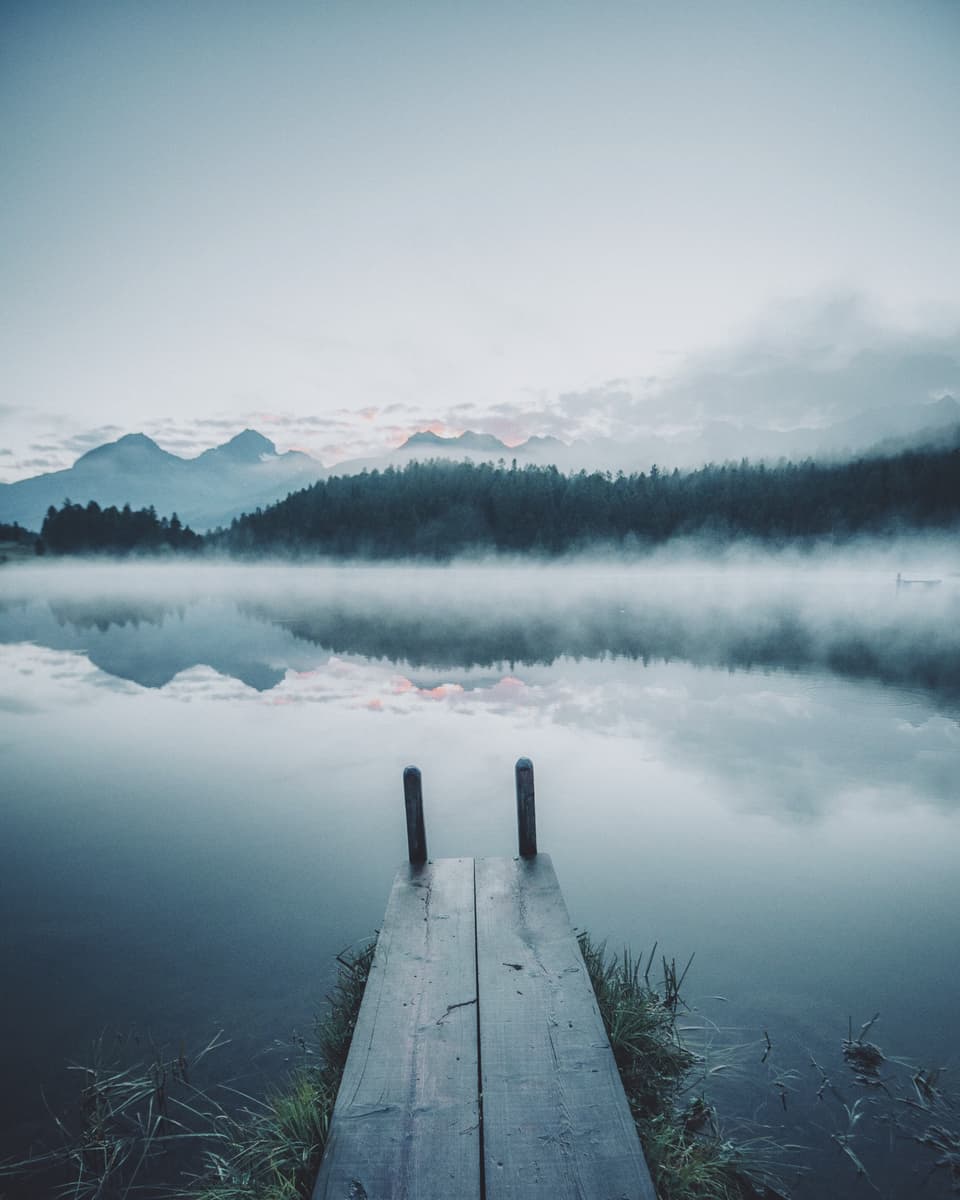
{"points": [[205, 491], [247, 471]]}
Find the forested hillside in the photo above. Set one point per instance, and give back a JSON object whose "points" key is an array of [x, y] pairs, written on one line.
{"points": [[438, 509]]}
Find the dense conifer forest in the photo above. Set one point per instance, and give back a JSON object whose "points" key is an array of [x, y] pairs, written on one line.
{"points": [[90, 529], [439, 509], [16, 534]]}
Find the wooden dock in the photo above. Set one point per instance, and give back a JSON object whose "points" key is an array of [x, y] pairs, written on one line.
{"points": [[479, 1067]]}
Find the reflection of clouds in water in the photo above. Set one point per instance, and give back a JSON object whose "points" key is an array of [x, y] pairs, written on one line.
{"points": [[34, 679], [807, 747], [257, 622], [379, 688], [783, 745], [789, 746], [773, 707], [568, 648], [16, 704], [204, 683]]}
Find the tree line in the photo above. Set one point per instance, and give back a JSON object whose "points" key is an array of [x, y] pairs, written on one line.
{"points": [[90, 529], [16, 534], [439, 509]]}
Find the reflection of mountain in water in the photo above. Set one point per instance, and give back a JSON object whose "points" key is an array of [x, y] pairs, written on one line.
{"points": [[151, 643], [257, 642]]}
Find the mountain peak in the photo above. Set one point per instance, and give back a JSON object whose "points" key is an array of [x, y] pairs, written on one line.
{"points": [[542, 441], [467, 440], [425, 437], [248, 446], [130, 446]]}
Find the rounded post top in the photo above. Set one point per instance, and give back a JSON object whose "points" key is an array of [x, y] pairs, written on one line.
{"points": [[524, 764], [409, 772]]}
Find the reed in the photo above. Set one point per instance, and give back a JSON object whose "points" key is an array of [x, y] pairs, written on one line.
{"points": [[155, 1129], [150, 1129], [688, 1155], [271, 1149]]}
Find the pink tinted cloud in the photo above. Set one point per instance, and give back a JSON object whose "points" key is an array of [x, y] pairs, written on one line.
{"points": [[400, 686], [442, 691]]}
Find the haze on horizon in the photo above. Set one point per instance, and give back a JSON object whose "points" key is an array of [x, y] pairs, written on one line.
{"points": [[338, 224]]}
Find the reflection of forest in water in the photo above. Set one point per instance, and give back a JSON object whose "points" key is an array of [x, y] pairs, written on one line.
{"points": [[105, 614], [910, 644], [778, 640]]}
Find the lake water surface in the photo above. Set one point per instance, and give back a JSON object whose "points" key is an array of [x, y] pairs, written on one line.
{"points": [[202, 805]]}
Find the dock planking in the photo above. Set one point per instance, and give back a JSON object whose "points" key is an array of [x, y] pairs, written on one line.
{"points": [[480, 1067], [406, 1122], [556, 1122]]}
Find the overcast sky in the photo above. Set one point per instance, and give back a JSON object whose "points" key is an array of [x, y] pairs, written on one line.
{"points": [[341, 222]]}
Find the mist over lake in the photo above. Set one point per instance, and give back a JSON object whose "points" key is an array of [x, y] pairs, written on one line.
{"points": [[755, 762]]}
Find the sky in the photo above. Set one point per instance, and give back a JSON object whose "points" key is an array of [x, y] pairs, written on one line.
{"points": [[339, 223]]}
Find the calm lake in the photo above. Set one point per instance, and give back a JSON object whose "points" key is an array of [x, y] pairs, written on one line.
{"points": [[758, 764]]}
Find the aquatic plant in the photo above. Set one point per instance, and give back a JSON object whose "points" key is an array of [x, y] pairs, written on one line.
{"points": [[156, 1129], [149, 1128], [126, 1118], [689, 1156], [271, 1149]]}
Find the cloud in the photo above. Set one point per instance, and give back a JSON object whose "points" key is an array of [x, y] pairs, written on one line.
{"points": [[55, 453], [41, 464], [19, 707], [87, 440], [806, 365]]}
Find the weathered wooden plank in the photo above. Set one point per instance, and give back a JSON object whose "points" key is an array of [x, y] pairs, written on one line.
{"points": [[556, 1122], [406, 1120]]}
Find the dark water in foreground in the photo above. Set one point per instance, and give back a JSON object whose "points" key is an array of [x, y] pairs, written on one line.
{"points": [[202, 805]]}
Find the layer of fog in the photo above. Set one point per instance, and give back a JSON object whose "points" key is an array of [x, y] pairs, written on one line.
{"points": [[844, 615]]}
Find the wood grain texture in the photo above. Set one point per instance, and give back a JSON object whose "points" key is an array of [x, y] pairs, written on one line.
{"points": [[556, 1123], [406, 1120]]}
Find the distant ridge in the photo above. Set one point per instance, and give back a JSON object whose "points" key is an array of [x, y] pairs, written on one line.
{"points": [[464, 441], [132, 447], [246, 472], [246, 447], [238, 476]]}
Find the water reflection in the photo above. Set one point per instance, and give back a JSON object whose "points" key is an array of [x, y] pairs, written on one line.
{"points": [[202, 798], [150, 644], [254, 624], [714, 677]]}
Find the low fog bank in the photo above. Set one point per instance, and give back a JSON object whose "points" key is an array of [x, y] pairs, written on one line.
{"points": [[728, 562], [844, 614]]}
